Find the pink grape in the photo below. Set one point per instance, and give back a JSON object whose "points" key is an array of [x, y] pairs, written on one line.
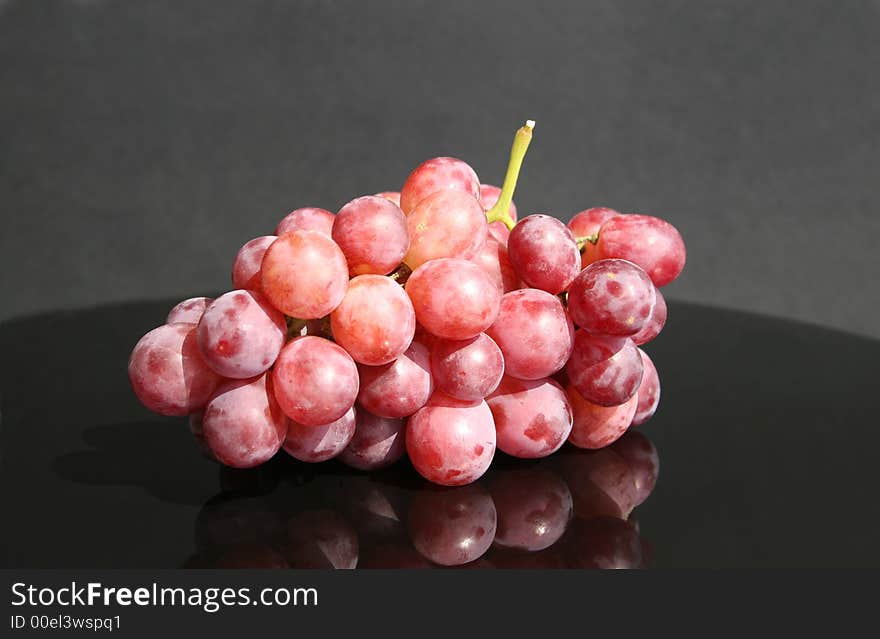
{"points": [[654, 244], [453, 298], [642, 457], [243, 424], [371, 231], [499, 232], [597, 426], [305, 274], [240, 334], [587, 223], [648, 393], [445, 224], [450, 441], [605, 370], [534, 507], [493, 259], [532, 417], [655, 322], [452, 527], [188, 311], [308, 218], [246, 268], [167, 372], [543, 253], [533, 332], [400, 388], [316, 381], [467, 369], [378, 442], [319, 443], [611, 297], [438, 174], [489, 197], [375, 322], [391, 196]]}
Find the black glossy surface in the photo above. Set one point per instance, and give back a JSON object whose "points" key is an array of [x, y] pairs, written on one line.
{"points": [[767, 438]]}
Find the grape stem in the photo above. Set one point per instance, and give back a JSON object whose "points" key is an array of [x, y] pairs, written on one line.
{"points": [[582, 241], [501, 211]]}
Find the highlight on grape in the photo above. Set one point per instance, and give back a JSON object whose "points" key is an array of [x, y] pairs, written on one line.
{"points": [[430, 323]]}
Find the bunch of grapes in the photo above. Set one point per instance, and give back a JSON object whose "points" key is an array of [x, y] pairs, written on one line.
{"points": [[427, 323]]}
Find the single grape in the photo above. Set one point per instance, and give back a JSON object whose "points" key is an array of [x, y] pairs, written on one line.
{"points": [[243, 424], [467, 369], [587, 223], [499, 232], [489, 197], [543, 253], [605, 370], [493, 259], [597, 426], [602, 482], [371, 231], [375, 322], [316, 381], [648, 393], [452, 527], [400, 388], [240, 334], [305, 274], [534, 507], [391, 196], [611, 297], [320, 539], [309, 218], [655, 323], [246, 267], [167, 372], [319, 443], [532, 417], [438, 174], [188, 311], [654, 244], [642, 457], [445, 224], [378, 442], [453, 298], [450, 441], [533, 332]]}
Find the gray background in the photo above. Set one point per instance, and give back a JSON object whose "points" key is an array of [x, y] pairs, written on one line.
{"points": [[142, 143]]}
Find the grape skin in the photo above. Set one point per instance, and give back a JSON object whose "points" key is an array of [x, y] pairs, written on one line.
{"points": [[391, 196], [534, 507], [378, 442], [243, 424], [371, 231], [533, 332], [543, 253], [654, 244], [598, 426], [451, 442], [642, 457], [316, 381], [655, 322], [308, 218], [467, 369], [445, 224], [600, 378], [167, 372], [304, 274], [494, 259], [438, 174], [602, 482], [532, 417], [189, 311], [648, 393], [319, 443], [375, 322], [489, 197], [246, 267], [240, 334], [400, 388], [587, 223], [611, 297], [453, 298]]}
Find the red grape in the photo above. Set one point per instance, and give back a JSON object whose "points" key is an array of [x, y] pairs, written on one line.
{"points": [[400, 388], [378, 442], [243, 424], [467, 369], [371, 231], [489, 196], [652, 243], [605, 370], [611, 297], [305, 274], [587, 223], [309, 218], [316, 381], [451, 441], [246, 267], [319, 443], [188, 311], [648, 393], [602, 482], [498, 231], [642, 457], [543, 253], [532, 417], [391, 196], [375, 322], [240, 334], [493, 258], [445, 224], [167, 372], [453, 298], [597, 426], [534, 507], [655, 323], [533, 332], [438, 174]]}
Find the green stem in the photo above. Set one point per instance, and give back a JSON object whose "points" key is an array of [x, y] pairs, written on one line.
{"points": [[582, 241], [501, 211]]}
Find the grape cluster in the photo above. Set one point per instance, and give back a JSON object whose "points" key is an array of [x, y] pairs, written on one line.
{"points": [[427, 323]]}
